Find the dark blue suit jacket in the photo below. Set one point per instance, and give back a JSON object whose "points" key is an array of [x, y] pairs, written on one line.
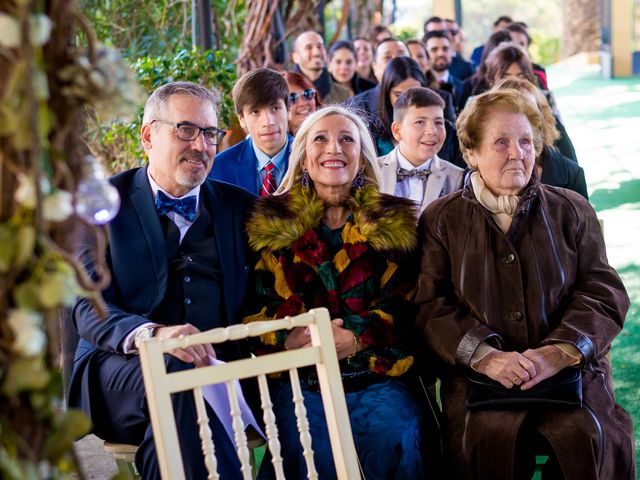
{"points": [[137, 260], [238, 165]]}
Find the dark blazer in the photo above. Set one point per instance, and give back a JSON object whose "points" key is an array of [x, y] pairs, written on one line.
{"points": [[560, 171], [460, 68], [136, 258], [238, 165]]}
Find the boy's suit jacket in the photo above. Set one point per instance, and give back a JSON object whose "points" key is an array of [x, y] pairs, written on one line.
{"points": [[238, 165], [445, 177]]}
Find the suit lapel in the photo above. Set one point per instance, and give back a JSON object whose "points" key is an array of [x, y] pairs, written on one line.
{"points": [[147, 216], [435, 183], [225, 233], [247, 172], [389, 167]]}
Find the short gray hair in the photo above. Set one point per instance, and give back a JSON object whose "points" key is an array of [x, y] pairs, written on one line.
{"points": [[154, 107], [372, 172]]}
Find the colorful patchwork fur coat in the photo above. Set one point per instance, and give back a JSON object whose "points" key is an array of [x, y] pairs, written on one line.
{"points": [[362, 273]]}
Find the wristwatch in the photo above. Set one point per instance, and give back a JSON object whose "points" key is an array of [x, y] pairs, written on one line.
{"points": [[144, 333]]}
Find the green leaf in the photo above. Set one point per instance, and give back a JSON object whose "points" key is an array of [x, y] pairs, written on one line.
{"points": [[7, 247], [26, 296], [25, 374], [24, 245], [73, 425]]}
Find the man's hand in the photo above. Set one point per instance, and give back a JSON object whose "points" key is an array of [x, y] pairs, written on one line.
{"points": [[548, 361], [508, 368], [196, 354]]}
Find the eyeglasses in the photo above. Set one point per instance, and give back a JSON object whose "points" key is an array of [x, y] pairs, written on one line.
{"points": [[308, 94], [188, 132]]}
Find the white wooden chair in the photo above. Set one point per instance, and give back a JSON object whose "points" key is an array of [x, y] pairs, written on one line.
{"points": [[160, 385]]}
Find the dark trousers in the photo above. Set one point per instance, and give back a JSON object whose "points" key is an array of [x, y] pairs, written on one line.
{"points": [[120, 414]]}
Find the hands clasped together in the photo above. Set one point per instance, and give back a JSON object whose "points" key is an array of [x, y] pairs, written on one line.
{"points": [[525, 369], [345, 340]]}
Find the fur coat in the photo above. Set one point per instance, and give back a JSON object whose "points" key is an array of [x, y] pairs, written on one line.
{"points": [[364, 276]]}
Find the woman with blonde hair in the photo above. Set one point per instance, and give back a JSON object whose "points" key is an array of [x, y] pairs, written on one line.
{"points": [[329, 238], [552, 167]]}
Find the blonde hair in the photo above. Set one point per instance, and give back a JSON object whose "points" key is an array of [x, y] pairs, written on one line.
{"points": [[551, 133], [368, 155], [470, 124]]}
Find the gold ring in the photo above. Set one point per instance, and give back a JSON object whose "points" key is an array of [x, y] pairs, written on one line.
{"points": [[516, 379]]}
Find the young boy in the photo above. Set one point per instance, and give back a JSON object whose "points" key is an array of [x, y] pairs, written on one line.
{"points": [[258, 163], [413, 169]]}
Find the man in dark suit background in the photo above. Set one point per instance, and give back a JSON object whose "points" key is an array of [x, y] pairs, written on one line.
{"points": [[259, 162], [176, 256], [438, 45]]}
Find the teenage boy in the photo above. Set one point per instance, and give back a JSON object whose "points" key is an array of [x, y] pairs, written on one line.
{"points": [[413, 169], [258, 163]]}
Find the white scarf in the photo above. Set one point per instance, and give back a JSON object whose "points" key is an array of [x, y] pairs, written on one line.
{"points": [[502, 207]]}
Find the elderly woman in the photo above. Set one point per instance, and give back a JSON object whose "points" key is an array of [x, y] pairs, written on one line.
{"points": [[515, 288], [552, 167], [303, 99], [328, 238]]}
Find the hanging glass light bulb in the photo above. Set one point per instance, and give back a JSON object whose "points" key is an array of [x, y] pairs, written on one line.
{"points": [[97, 201]]}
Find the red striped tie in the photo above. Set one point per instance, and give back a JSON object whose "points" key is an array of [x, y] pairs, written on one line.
{"points": [[269, 181]]}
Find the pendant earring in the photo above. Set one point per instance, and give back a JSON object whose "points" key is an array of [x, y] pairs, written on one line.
{"points": [[358, 182], [304, 181]]}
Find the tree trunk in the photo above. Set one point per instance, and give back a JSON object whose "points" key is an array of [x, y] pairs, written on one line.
{"points": [[581, 26]]}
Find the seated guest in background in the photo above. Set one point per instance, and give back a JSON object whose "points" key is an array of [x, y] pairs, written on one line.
{"points": [[364, 59], [501, 23], [509, 60], [552, 167], [176, 258], [386, 50], [342, 66], [515, 287], [438, 47], [310, 59], [413, 169], [303, 99], [329, 238], [389, 48], [479, 82], [418, 52], [378, 34], [258, 163], [520, 35], [401, 74], [460, 67]]}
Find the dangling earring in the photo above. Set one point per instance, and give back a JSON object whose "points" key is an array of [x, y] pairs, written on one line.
{"points": [[358, 182], [304, 181]]}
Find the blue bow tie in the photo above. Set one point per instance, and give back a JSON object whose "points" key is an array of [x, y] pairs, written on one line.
{"points": [[185, 207]]}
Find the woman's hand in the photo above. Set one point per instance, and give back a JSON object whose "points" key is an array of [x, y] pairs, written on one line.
{"points": [[299, 337], [548, 361], [508, 368], [345, 340], [196, 354]]}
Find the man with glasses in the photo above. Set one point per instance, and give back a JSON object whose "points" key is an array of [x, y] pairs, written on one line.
{"points": [[258, 163], [176, 258]]}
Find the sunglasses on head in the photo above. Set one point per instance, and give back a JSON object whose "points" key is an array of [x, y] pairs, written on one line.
{"points": [[308, 94]]}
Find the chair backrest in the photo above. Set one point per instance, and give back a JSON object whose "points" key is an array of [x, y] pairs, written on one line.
{"points": [[160, 385]]}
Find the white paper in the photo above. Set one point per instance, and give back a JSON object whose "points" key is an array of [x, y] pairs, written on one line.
{"points": [[216, 396]]}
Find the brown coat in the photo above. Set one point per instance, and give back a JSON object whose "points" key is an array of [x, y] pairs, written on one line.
{"points": [[547, 280]]}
